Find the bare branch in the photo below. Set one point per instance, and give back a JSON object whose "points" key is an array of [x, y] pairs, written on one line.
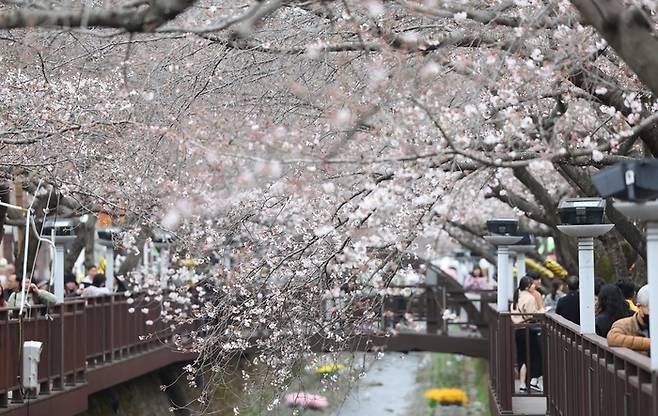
{"points": [[128, 17]]}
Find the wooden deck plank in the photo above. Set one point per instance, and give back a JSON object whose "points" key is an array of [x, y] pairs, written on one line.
{"points": [[526, 406]]}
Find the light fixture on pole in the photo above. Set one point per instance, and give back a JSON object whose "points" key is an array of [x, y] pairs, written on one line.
{"points": [[503, 232], [583, 218], [527, 245], [61, 232], [635, 182], [162, 241], [107, 238]]}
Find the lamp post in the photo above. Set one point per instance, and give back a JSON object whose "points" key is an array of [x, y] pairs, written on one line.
{"points": [[502, 236], [61, 233], [162, 241], [526, 245], [635, 182], [145, 257], [583, 219], [106, 238], [648, 211]]}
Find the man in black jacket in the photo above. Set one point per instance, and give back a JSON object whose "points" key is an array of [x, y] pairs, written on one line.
{"points": [[569, 306]]}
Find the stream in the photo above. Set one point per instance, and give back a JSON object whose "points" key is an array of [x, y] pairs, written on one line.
{"points": [[389, 387]]}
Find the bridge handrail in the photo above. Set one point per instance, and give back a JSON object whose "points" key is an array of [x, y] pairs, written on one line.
{"points": [[610, 380], [582, 374], [76, 335]]}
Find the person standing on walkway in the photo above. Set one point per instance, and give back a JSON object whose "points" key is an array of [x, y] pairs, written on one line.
{"points": [[569, 306], [7, 271], [89, 278], [627, 288], [527, 335], [476, 280], [535, 290], [97, 287], [551, 299], [612, 307], [33, 294]]}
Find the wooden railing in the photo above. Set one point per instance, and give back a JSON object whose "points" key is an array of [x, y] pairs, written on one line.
{"points": [[76, 336], [429, 303], [582, 375], [589, 378], [62, 358]]}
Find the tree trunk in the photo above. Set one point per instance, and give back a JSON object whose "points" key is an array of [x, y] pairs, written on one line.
{"points": [[89, 229], [614, 246], [132, 258], [85, 239], [5, 188]]}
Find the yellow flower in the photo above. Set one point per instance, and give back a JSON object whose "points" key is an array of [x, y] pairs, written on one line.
{"points": [[102, 265], [329, 368], [456, 397], [536, 267], [556, 268], [188, 262]]}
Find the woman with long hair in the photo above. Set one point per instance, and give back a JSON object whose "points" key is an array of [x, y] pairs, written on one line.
{"points": [[3, 304], [476, 280], [527, 335], [550, 300], [612, 307]]}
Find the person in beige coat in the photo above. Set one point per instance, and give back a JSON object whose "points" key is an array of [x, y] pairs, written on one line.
{"points": [[525, 301], [528, 336], [633, 332]]}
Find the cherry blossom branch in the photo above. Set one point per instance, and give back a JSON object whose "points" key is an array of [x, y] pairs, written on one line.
{"points": [[629, 31], [422, 46], [131, 17], [481, 16], [32, 140], [256, 12]]}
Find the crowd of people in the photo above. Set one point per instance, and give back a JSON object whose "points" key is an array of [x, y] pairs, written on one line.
{"points": [[13, 286], [622, 317]]}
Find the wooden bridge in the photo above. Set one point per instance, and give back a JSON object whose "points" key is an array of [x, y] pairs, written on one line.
{"points": [[89, 347], [86, 349]]}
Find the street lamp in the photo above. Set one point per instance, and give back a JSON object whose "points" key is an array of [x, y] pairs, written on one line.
{"points": [[635, 182], [502, 235], [61, 232], [526, 245], [106, 238], [162, 241], [583, 218]]}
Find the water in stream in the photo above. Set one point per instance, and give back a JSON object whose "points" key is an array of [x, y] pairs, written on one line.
{"points": [[390, 387], [393, 384]]}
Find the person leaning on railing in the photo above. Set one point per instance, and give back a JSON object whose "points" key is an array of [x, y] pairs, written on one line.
{"points": [[97, 287], [3, 302], [633, 332], [612, 307], [34, 294]]}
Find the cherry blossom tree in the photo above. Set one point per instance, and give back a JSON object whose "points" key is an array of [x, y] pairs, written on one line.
{"points": [[316, 143]]}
